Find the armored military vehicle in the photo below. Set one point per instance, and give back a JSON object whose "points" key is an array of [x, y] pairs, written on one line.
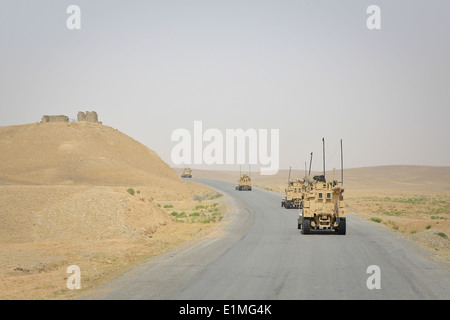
{"points": [[293, 194], [187, 173], [323, 206], [244, 183]]}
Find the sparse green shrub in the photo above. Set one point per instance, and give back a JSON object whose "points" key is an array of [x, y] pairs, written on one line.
{"points": [[377, 220], [178, 215], [428, 226], [131, 191], [442, 235]]}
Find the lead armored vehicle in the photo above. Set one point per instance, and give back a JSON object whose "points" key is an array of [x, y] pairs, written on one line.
{"points": [[323, 206]]}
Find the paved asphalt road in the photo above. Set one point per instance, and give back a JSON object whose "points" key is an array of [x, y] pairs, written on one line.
{"points": [[264, 256]]}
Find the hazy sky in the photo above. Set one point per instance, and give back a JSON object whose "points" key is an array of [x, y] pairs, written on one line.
{"points": [[311, 69]]}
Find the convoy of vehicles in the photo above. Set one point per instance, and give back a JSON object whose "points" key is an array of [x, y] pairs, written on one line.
{"points": [[320, 201]]}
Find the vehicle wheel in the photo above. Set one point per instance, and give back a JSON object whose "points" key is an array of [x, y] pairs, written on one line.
{"points": [[342, 229], [287, 205], [306, 226]]}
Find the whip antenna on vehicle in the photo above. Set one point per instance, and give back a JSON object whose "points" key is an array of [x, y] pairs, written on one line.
{"points": [[323, 141], [289, 177], [310, 163], [342, 165]]}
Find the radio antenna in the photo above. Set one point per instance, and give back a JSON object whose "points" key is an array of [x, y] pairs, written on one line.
{"points": [[342, 165], [323, 140], [310, 163]]}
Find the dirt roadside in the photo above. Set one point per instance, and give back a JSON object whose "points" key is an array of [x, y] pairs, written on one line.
{"points": [[37, 247]]}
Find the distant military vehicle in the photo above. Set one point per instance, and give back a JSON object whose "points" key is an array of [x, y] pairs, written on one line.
{"points": [[323, 206], [244, 183], [187, 173], [293, 194]]}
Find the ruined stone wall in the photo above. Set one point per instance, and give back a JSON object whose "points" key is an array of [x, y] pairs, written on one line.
{"points": [[89, 116], [55, 119]]}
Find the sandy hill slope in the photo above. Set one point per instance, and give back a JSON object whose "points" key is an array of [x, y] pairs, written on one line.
{"points": [[84, 194], [64, 181], [77, 153]]}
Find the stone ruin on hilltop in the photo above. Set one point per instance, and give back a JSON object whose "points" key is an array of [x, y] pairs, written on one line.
{"points": [[55, 119], [89, 116]]}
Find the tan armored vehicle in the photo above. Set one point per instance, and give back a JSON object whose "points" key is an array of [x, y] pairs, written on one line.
{"points": [[323, 206], [244, 183], [187, 173], [294, 194]]}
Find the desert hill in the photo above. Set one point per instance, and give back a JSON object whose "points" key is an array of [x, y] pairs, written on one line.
{"points": [[77, 154], [89, 195], [65, 181]]}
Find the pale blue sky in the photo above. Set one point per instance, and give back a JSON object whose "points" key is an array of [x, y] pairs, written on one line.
{"points": [[309, 68]]}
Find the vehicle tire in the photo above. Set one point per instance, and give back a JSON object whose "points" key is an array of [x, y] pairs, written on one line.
{"points": [[342, 229], [287, 205], [306, 226]]}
